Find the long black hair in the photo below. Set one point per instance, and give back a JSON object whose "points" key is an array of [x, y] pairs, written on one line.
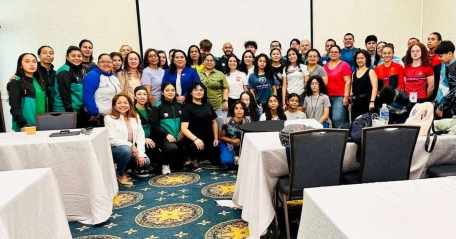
{"points": [[163, 90], [268, 71], [190, 60], [166, 65], [172, 66], [243, 66], [127, 67], [252, 106], [298, 59], [84, 41], [25, 83], [227, 69], [146, 58], [280, 111], [233, 106], [321, 85], [189, 98]]}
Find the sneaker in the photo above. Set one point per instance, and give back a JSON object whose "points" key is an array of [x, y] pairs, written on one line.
{"points": [[236, 160], [166, 170], [140, 173]]}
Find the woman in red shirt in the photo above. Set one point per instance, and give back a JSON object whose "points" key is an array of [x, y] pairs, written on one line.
{"points": [[419, 76], [389, 72]]}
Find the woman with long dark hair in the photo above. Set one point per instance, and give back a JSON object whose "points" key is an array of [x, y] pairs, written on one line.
{"points": [[317, 104], [199, 126], [152, 76], [247, 62], [253, 111], [261, 82], [237, 80], [116, 62], [130, 76], [86, 47], [295, 76], [194, 57], [46, 68], [27, 94], [164, 60], [180, 74], [273, 110]]}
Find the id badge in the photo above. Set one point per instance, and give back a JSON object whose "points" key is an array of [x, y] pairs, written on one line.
{"points": [[413, 97]]}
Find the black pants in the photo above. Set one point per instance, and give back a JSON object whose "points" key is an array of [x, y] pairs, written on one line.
{"points": [[83, 120], [170, 153], [209, 152]]}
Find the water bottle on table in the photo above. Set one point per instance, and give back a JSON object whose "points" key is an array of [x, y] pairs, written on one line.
{"points": [[384, 114]]}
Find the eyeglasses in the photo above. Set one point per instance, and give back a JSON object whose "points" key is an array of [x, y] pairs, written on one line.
{"points": [[314, 83], [209, 61], [105, 62]]}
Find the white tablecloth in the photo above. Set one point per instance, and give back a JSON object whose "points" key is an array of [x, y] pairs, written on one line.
{"points": [[263, 161], [31, 205], [82, 165], [414, 209]]}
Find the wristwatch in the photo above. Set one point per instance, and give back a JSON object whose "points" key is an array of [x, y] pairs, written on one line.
{"points": [[224, 100]]}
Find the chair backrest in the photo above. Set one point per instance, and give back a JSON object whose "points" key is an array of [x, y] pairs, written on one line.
{"points": [[316, 158], [386, 152], [56, 120]]}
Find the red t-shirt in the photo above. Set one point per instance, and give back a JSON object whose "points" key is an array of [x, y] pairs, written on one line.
{"points": [[416, 80], [434, 60], [384, 72], [336, 83]]}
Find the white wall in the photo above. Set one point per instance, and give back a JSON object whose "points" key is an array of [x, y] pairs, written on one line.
{"points": [[26, 25], [439, 16]]}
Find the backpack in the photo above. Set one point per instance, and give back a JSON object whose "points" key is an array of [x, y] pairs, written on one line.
{"points": [[285, 132], [356, 131]]}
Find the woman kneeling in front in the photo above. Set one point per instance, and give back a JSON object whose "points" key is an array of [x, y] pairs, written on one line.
{"points": [[126, 137]]}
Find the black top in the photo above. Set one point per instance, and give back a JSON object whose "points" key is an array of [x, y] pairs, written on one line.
{"points": [[199, 118], [362, 85], [263, 126], [49, 82]]}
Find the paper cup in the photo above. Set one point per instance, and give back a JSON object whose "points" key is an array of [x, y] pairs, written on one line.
{"points": [[30, 130]]}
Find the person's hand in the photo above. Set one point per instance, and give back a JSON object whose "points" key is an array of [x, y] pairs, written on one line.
{"points": [[345, 101], [150, 143], [170, 138], [371, 105], [215, 142], [225, 106], [13, 77], [236, 142], [94, 118], [180, 136], [199, 144], [438, 112], [284, 107], [140, 161], [349, 108], [134, 150], [181, 99]]}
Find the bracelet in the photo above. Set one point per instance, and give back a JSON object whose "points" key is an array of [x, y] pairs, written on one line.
{"points": [[195, 139]]}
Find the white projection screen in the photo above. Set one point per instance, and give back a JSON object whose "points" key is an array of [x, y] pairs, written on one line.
{"points": [[171, 24]]}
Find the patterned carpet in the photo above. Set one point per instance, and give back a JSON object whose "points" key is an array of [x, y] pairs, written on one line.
{"points": [[179, 205]]}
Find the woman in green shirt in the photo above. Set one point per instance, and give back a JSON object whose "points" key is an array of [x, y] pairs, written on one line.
{"points": [[27, 95]]}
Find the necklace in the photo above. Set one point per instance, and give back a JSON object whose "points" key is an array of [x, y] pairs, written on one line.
{"points": [[314, 110]]}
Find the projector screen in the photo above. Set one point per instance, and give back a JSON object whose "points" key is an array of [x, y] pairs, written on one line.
{"points": [[165, 25]]}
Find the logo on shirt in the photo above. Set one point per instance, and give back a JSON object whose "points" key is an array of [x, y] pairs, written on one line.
{"points": [[165, 114], [262, 80], [238, 78]]}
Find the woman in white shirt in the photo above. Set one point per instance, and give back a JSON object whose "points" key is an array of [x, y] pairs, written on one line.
{"points": [[126, 137], [295, 76], [237, 80]]}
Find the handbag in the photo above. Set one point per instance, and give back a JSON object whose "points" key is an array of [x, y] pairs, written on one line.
{"points": [[423, 116], [285, 132]]}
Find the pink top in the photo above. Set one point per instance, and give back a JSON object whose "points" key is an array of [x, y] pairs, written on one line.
{"points": [[336, 83], [130, 131]]}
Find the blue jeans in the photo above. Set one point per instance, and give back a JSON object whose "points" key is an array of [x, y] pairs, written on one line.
{"points": [[123, 156], [226, 154], [338, 111], [221, 115]]}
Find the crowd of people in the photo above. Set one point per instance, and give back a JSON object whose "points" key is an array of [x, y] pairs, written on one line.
{"points": [[190, 108]]}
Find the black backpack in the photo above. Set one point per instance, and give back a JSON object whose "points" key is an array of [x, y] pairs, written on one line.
{"points": [[356, 131]]}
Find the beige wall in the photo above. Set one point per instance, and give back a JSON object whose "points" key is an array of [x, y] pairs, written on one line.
{"points": [[25, 27], [390, 20], [440, 16]]}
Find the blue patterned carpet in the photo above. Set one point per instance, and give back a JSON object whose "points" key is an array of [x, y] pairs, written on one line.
{"points": [[179, 205]]}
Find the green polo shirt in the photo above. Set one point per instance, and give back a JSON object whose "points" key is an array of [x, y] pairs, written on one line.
{"points": [[215, 83]]}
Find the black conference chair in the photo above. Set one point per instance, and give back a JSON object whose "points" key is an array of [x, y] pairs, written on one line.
{"points": [[386, 154], [56, 121], [316, 160]]}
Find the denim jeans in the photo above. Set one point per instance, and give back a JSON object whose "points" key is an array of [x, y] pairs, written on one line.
{"points": [[221, 115], [338, 112], [123, 156]]}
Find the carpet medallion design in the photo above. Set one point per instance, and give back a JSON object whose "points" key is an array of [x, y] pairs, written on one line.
{"points": [[126, 198], [219, 190], [170, 215], [174, 179], [99, 237], [232, 229]]}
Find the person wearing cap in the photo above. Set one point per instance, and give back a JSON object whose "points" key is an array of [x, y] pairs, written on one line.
{"points": [[371, 47]]}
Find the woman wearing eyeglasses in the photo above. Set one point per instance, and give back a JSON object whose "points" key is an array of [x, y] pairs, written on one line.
{"points": [[217, 88], [152, 75], [99, 87]]}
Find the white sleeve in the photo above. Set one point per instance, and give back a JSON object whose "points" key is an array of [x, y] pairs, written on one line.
{"points": [[112, 126], [244, 79], [263, 117], [305, 71], [140, 139]]}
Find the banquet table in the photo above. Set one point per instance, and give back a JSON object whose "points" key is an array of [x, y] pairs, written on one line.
{"points": [[82, 164], [31, 205], [417, 209], [263, 126], [263, 161]]}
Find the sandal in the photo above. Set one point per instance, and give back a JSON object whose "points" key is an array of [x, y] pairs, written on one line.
{"points": [[194, 164], [126, 182]]}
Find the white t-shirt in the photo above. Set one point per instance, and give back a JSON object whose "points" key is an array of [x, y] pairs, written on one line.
{"points": [[236, 81], [295, 78], [250, 71], [263, 117], [295, 115]]}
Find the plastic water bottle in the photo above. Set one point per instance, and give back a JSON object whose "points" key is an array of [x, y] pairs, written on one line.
{"points": [[384, 114]]}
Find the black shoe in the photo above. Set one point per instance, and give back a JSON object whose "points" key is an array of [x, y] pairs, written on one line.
{"points": [[140, 173], [194, 164]]}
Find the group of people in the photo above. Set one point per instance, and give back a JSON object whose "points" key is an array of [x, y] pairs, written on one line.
{"points": [[190, 109]]}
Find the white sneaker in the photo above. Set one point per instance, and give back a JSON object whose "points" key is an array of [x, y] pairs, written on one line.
{"points": [[165, 169], [236, 160]]}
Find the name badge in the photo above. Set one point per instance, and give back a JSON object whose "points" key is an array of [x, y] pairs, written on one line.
{"points": [[413, 97]]}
